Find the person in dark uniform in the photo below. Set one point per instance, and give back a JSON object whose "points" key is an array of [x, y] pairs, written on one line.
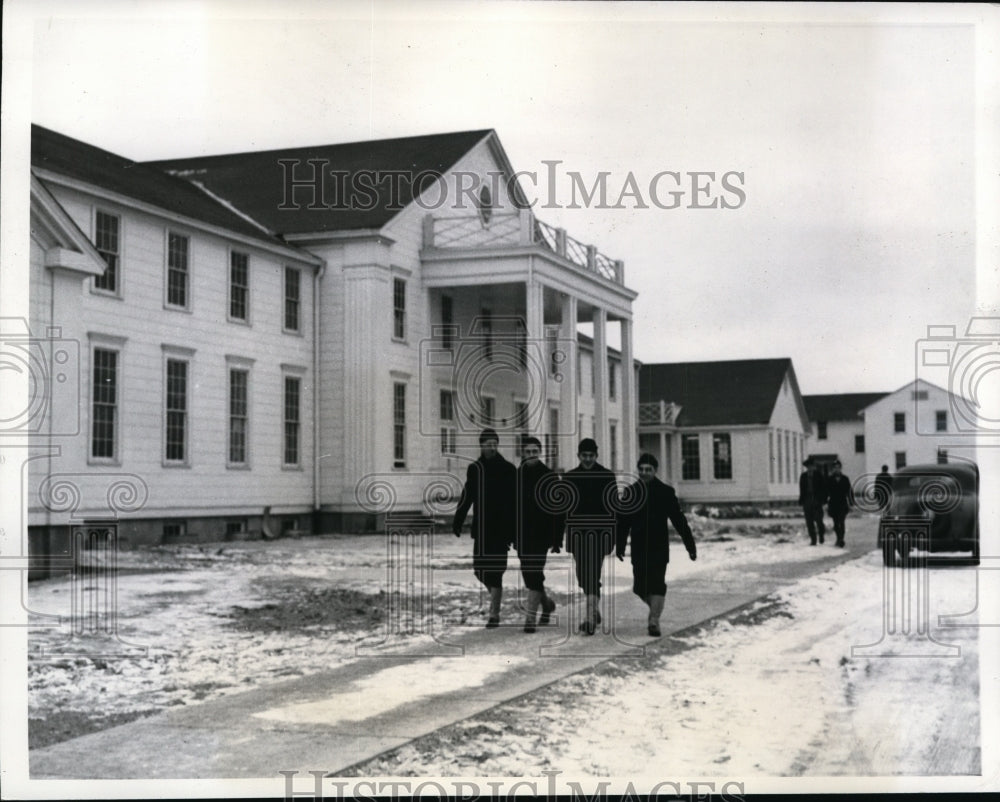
{"points": [[490, 487], [649, 530], [812, 497], [883, 488], [537, 531], [838, 500], [590, 526]]}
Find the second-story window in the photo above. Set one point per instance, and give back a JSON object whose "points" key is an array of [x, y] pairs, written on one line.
{"points": [[899, 422], [398, 309], [177, 270], [292, 299], [821, 430], [239, 286], [941, 420], [106, 240]]}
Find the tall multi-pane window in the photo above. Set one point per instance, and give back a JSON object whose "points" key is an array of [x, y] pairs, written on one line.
{"points": [[789, 467], [239, 286], [722, 456], [292, 299], [238, 415], [177, 269], [106, 227], [770, 450], [821, 430], [105, 404], [292, 419], [613, 438], [448, 428], [551, 441], [612, 384], [399, 425], [690, 457], [941, 420], [398, 309], [900, 459], [447, 322], [859, 444], [177, 410], [899, 422], [781, 460]]}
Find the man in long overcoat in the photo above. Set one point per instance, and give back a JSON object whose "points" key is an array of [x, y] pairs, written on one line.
{"points": [[590, 526], [491, 488], [838, 500], [648, 527], [812, 497], [537, 530]]}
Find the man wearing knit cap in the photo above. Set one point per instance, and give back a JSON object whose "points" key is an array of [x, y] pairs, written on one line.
{"points": [[590, 526], [490, 488], [648, 527]]}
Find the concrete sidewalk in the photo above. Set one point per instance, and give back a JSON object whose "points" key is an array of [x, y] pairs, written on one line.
{"points": [[331, 720]]}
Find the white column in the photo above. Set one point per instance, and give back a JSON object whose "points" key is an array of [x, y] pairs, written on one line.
{"points": [[664, 461], [601, 386], [628, 423], [568, 412], [537, 367]]}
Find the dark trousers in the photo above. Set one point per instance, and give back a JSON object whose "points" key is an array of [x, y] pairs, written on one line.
{"points": [[814, 521], [532, 568], [838, 524]]}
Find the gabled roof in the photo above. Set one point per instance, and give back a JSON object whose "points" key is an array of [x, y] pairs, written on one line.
{"points": [[840, 406], [61, 154], [727, 393], [255, 183]]}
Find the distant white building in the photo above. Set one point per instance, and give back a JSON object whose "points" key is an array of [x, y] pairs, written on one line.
{"points": [[838, 430], [913, 425], [268, 331]]}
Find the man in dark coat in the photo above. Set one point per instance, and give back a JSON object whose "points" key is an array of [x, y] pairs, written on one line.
{"points": [[812, 497], [490, 487], [537, 530], [657, 504], [838, 500], [590, 525], [883, 488]]}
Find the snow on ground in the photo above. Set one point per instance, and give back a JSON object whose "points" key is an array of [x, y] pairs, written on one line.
{"points": [[783, 697], [730, 697]]}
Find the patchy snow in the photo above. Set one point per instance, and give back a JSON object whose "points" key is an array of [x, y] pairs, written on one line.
{"points": [[783, 697], [773, 692], [393, 687]]}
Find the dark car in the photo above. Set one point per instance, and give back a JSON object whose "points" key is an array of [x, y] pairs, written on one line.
{"points": [[933, 508]]}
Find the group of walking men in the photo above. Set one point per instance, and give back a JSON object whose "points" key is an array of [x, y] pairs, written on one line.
{"points": [[530, 507], [815, 490]]}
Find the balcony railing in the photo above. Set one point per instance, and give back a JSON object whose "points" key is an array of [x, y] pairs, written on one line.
{"points": [[655, 413], [513, 229]]}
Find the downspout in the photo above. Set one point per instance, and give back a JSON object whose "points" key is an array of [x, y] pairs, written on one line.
{"points": [[317, 277]]}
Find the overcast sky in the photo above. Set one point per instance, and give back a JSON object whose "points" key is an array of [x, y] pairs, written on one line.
{"points": [[856, 142]]}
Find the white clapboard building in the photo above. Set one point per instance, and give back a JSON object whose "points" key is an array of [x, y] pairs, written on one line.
{"points": [[305, 339]]}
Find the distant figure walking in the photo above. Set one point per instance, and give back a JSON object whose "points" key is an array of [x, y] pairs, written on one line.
{"points": [[537, 531], [839, 500], [590, 526], [649, 530], [812, 496], [491, 488], [883, 488]]}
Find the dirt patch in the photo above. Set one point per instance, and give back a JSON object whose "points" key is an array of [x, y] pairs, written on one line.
{"points": [[300, 608], [65, 724]]}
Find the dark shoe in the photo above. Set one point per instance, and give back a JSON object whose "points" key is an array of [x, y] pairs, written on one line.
{"points": [[493, 623], [840, 544], [820, 538], [812, 543], [529, 628], [654, 630], [548, 607], [588, 627]]}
